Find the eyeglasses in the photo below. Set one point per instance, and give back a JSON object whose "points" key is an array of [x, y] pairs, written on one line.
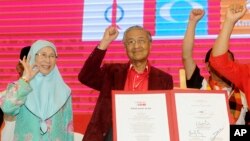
{"points": [[132, 42], [45, 56]]}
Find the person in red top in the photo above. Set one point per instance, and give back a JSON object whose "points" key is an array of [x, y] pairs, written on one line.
{"points": [[239, 74], [215, 81], [136, 75]]}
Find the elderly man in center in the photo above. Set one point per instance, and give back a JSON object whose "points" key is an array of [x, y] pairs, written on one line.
{"points": [[136, 75]]}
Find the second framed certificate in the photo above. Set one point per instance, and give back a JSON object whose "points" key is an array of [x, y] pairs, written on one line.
{"points": [[175, 115]]}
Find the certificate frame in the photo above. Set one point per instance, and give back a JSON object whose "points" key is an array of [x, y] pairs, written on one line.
{"points": [[202, 93], [152, 93], [171, 108]]}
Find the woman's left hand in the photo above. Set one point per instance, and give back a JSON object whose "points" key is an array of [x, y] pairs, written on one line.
{"points": [[29, 70]]}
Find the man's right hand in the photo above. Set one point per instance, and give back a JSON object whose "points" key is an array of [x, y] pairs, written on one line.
{"points": [[109, 35]]}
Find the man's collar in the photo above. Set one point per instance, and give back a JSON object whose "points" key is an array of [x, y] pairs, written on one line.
{"points": [[131, 66]]}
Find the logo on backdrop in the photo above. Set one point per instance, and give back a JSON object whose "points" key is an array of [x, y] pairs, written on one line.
{"points": [[107, 14], [99, 14], [168, 18], [172, 16]]}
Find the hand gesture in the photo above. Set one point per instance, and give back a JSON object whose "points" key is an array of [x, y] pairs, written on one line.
{"points": [[29, 70], [109, 35], [196, 15], [235, 12]]}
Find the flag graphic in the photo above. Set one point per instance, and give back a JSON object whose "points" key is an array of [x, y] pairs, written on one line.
{"points": [[99, 14], [172, 16]]}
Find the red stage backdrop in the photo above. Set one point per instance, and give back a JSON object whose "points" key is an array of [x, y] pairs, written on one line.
{"points": [[76, 26]]}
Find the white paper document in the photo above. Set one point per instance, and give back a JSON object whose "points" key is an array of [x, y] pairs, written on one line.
{"points": [[202, 117], [141, 117]]}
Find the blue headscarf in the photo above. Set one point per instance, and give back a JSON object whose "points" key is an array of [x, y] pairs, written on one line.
{"points": [[49, 92]]}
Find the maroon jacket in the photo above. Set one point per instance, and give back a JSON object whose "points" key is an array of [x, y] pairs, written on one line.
{"points": [[105, 79]]}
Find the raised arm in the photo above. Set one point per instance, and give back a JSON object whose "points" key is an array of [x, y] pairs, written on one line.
{"points": [[16, 93], [91, 73], [233, 14], [188, 42], [109, 35]]}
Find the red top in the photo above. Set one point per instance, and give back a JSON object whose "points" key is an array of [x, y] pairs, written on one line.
{"points": [[238, 74], [137, 81]]}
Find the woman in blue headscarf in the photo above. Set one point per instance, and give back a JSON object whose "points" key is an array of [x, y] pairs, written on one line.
{"points": [[43, 106]]}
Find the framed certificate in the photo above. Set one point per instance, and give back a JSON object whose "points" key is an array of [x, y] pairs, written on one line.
{"points": [[140, 116], [174, 115], [201, 115]]}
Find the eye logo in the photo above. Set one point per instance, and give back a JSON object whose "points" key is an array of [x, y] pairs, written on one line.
{"points": [[172, 16], [177, 11], [99, 14], [108, 14]]}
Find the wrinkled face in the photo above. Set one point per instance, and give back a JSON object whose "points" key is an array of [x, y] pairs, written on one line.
{"points": [[45, 60], [137, 45]]}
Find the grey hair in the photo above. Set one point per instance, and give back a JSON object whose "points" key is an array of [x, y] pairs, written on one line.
{"points": [[139, 28]]}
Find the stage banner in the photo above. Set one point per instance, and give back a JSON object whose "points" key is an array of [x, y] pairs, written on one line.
{"points": [[174, 115]]}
